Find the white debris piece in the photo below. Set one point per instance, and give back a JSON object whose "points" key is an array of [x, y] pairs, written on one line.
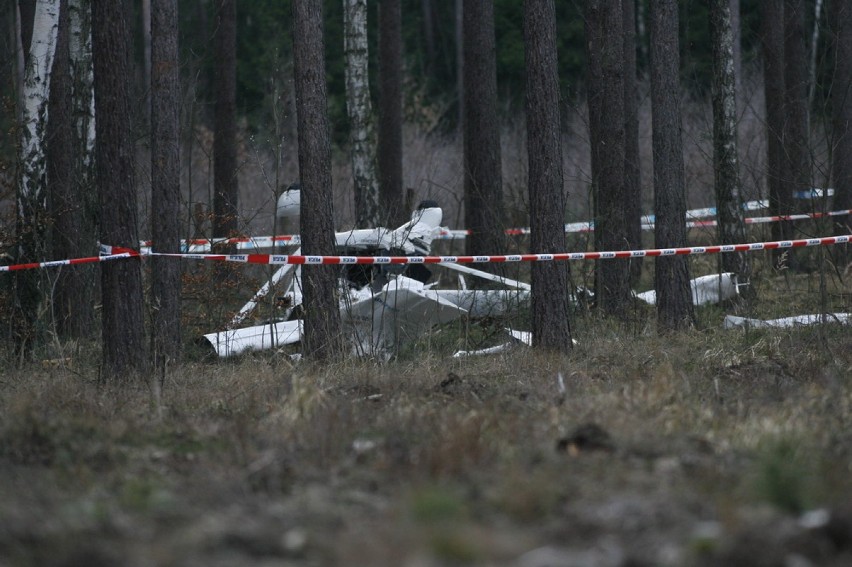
{"points": [[714, 288], [732, 321], [403, 309], [258, 337]]}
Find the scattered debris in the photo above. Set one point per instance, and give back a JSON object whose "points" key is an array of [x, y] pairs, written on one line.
{"points": [[714, 288], [732, 321], [382, 306]]}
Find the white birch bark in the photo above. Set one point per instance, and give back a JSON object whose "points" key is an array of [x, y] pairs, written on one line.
{"points": [[725, 160], [32, 183], [32, 193], [20, 63], [362, 135]]}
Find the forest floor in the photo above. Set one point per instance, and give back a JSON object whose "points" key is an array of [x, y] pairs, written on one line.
{"points": [[710, 447]]}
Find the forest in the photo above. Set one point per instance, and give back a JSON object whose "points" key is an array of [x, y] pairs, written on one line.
{"points": [[425, 144], [425, 282]]}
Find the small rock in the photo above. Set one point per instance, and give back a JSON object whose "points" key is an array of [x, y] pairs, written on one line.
{"points": [[586, 437]]}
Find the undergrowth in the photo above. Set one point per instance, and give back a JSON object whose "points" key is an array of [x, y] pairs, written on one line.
{"points": [[633, 436]]}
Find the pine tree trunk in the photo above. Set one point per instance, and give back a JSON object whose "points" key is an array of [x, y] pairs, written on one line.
{"points": [[458, 34], [841, 103], [483, 185], [736, 44], [72, 195], [671, 273], [146, 58], [729, 202], [63, 201], [607, 133], [777, 168], [390, 113], [632, 171], [362, 136], [124, 347], [796, 144], [322, 338], [32, 191], [550, 280], [165, 182], [225, 187]]}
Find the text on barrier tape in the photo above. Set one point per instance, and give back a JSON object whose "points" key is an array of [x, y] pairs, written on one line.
{"points": [[71, 262], [118, 252], [607, 255]]}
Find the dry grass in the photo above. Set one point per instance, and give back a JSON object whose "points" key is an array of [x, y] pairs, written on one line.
{"points": [[706, 439], [703, 448]]}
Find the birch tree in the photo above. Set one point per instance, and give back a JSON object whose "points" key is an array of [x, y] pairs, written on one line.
{"points": [[32, 183], [729, 202], [362, 135]]}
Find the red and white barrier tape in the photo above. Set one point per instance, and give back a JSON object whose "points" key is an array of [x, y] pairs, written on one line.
{"points": [[123, 253], [277, 259], [648, 224], [119, 252]]}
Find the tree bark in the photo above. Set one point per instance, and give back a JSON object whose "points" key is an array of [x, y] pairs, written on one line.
{"points": [[322, 338], [841, 104], [729, 202], [632, 171], [146, 58], [607, 133], [73, 193], [165, 182], [671, 273], [32, 193], [390, 113], [225, 186], [483, 185], [551, 329], [124, 348], [796, 144], [27, 15], [736, 45], [777, 168], [458, 34], [362, 134], [814, 50]]}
